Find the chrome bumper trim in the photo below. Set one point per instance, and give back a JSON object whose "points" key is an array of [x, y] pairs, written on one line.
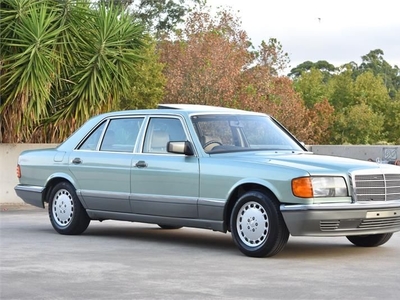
{"points": [[343, 206], [342, 219]]}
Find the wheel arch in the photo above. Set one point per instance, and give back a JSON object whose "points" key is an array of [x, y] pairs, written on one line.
{"points": [[240, 190], [53, 180]]}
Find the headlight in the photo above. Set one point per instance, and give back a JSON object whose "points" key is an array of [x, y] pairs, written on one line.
{"points": [[309, 187]]}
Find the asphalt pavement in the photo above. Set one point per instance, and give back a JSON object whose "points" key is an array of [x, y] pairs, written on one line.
{"points": [[123, 260]]}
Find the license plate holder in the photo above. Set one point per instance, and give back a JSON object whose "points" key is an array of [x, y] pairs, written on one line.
{"points": [[383, 214]]}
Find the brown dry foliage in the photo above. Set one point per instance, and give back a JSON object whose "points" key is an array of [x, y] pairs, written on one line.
{"points": [[209, 62], [204, 64]]}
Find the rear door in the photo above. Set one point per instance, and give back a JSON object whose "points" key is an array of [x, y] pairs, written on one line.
{"points": [[101, 164]]}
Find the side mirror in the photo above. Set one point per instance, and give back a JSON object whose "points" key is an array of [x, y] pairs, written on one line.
{"points": [[180, 148]]}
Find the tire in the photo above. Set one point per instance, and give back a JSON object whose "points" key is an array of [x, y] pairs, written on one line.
{"points": [[169, 226], [373, 240], [257, 225], [67, 215]]}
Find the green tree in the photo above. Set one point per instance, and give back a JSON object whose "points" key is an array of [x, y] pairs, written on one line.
{"points": [[311, 87], [325, 67], [351, 89], [392, 121], [358, 124], [62, 62], [147, 82], [374, 61], [371, 90], [341, 90], [159, 15]]}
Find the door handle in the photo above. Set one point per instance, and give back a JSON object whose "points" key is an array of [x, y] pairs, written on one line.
{"points": [[76, 161], [141, 164]]}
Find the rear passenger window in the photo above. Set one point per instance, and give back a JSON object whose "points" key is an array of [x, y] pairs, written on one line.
{"points": [[121, 135]]}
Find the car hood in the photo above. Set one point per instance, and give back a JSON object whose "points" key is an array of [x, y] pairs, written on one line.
{"points": [[309, 162]]}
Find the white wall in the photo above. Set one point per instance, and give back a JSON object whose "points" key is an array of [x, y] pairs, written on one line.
{"points": [[8, 164], [9, 158], [363, 152]]}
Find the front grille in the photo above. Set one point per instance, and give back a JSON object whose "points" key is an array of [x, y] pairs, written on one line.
{"points": [[377, 187]]}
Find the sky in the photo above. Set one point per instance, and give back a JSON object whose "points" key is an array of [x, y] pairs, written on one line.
{"points": [[336, 31]]}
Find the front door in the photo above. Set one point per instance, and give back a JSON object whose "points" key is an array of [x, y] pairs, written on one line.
{"points": [[162, 183]]}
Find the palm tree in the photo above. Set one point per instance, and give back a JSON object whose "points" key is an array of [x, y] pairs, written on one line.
{"points": [[62, 62]]}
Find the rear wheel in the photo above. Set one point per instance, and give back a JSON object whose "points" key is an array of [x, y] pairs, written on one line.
{"points": [[372, 240], [257, 225], [67, 215]]}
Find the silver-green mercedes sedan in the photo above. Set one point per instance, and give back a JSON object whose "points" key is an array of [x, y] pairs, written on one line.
{"points": [[213, 168]]}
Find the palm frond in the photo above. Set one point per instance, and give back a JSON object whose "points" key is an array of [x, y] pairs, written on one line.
{"points": [[108, 52]]}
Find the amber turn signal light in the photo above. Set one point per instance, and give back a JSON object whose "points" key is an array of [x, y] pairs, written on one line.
{"points": [[302, 187]]}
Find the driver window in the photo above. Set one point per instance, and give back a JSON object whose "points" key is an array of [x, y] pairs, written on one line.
{"points": [[160, 131]]}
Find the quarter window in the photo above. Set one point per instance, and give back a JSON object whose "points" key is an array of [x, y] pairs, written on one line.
{"points": [[93, 140]]}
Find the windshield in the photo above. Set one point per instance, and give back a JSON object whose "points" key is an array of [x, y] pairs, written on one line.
{"points": [[229, 133]]}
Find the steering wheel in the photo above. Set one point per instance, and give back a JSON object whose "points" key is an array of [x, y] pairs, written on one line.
{"points": [[210, 143]]}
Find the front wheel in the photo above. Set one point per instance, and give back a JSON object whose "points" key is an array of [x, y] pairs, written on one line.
{"points": [[67, 215], [257, 225], [373, 240]]}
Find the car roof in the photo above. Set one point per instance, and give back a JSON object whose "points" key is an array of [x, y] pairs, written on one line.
{"points": [[187, 109], [198, 108]]}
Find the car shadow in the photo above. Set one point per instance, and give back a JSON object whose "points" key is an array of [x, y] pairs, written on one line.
{"points": [[187, 237], [317, 247], [297, 247]]}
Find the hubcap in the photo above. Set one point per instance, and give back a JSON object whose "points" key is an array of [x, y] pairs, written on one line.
{"points": [[252, 224], [63, 208]]}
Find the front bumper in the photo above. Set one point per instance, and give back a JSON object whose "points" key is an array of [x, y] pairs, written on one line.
{"points": [[30, 194], [342, 219]]}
